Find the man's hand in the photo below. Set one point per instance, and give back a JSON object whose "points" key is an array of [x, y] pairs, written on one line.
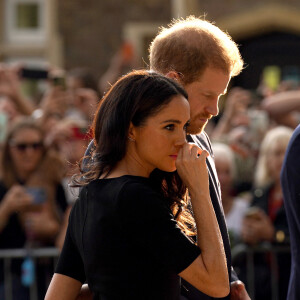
{"points": [[238, 291], [85, 293]]}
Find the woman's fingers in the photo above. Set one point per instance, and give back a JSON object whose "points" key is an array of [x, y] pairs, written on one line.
{"points": [[195, 152], [190, 152], [203, 155], [191, 165]]}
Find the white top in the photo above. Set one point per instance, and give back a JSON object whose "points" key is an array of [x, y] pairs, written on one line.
{"points": [[235, 217], [70, 192]]}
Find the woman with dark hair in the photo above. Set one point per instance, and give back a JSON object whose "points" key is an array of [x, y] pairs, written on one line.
{"points": [[128, 233]]}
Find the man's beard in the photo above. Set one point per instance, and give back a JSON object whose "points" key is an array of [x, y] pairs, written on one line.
{"points": [[195, 128]]}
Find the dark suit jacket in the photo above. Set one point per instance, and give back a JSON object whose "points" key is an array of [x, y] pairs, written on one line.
{"points": [[203, 142], [290, 181]]}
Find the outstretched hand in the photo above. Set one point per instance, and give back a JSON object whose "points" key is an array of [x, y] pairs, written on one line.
{"points": [[238, 291]]}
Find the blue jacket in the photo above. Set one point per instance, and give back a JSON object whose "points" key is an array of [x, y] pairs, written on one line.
{"points": [[290, 181]]}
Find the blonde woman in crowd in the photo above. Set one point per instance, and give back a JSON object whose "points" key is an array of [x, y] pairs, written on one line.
{"points": [[32, 200], [234, 206], [266, 221]]}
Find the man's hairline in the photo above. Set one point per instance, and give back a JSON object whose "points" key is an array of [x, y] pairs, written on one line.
{"points": [[199, 77]]}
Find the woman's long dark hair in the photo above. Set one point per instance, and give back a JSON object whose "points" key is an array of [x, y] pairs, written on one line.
{"points": [[133, 99]]}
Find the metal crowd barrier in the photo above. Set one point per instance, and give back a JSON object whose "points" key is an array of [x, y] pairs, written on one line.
{"points": [[241, 249], [249, 251], [8, 255]]}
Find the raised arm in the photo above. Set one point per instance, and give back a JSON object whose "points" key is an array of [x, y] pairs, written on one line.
{"points": [[208, 273], [282, 106]]}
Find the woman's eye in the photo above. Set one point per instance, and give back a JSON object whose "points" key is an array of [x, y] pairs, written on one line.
{"points": [[170, 127], [186, 126]]}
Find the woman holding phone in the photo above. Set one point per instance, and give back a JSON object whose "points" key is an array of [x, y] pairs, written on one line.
{"points": [[32, 199], [128, 232]]}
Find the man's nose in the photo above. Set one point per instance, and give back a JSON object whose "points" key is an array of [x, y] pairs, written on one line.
{"points": [[213, 107]]}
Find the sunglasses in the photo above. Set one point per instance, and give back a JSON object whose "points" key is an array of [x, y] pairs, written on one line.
{"points": [[24, 146]]}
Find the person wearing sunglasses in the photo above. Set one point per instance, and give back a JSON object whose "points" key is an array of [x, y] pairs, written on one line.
{"points": [[32, 200]]}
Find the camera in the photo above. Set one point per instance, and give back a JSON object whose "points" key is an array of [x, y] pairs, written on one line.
{"points": [[59, 81], [33, 73], [57, 78]]}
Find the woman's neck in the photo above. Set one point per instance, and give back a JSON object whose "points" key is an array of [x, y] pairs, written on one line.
{"points": [[128, 166], [23, 176]]}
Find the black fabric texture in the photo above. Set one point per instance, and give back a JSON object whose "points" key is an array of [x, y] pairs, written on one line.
{"points": [[123, 240]]}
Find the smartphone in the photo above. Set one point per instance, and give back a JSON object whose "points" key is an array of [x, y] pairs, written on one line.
{"points": [[272, 77], [33, 73], [59, 81], [258, 126], [3, 125], [127, 52], [38, 194]]}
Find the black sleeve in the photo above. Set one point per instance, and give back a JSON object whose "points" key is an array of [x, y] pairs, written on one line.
{"points": [[70, 262], [146, 215]]}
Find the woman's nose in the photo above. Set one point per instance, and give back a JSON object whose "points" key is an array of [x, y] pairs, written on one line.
{"points": [[181, 139]]}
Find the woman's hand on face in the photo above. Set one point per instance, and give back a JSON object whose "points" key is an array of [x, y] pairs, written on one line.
{"points": [[16, 199], [191, 167]]}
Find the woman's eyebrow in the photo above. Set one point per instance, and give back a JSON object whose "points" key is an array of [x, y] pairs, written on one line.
{"points": [[171, 121]]}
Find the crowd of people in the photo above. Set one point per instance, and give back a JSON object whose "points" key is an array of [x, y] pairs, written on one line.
{"points": [[43, 140]]}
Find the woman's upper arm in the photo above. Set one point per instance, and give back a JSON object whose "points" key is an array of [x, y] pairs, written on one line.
{"points": [[63, 288]]}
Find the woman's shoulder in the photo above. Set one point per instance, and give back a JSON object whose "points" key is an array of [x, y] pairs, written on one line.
{"points": [[126, 186], [126, 182], [125, 193]]}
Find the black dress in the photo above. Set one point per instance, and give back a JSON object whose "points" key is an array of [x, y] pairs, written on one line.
{"points": [[123, 240]]}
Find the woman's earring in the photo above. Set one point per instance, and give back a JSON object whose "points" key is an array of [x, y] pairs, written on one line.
{"points": [[131, 139]]}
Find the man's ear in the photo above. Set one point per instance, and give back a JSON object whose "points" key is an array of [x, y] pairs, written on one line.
{"points": [[173, 75]]}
